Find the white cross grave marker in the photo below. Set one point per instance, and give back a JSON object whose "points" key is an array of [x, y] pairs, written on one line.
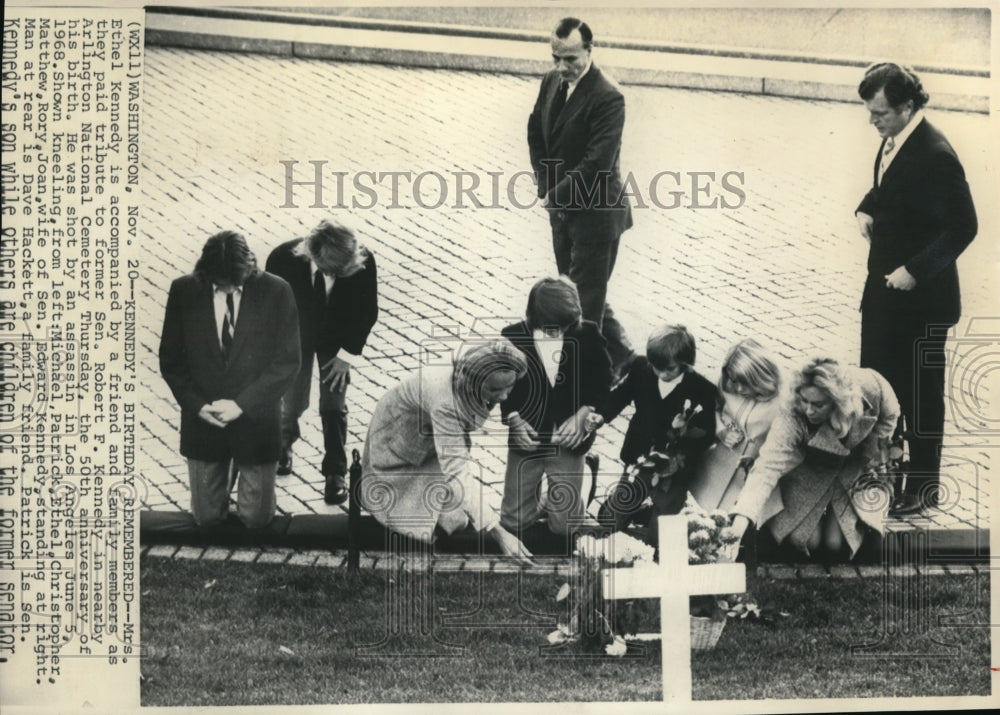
{"points": [[673, 581]]}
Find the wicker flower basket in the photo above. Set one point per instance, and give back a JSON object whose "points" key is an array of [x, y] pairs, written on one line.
{"points": [[705, 632]]}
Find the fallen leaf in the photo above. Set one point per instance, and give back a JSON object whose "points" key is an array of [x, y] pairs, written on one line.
{"points": [[209, 584], [286, 651], [563, 592]]}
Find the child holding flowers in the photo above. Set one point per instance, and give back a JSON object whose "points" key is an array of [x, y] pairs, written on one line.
{"points": [[674, 422]]}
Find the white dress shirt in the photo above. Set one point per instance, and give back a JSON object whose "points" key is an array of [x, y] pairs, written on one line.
{"points": [[550, 350]]}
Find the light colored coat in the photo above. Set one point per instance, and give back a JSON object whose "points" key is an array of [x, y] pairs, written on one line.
{"points": [[717, 482], [814, 472], [417, 470]]}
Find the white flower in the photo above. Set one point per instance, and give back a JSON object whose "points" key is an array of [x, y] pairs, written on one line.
{"points": [[678, 421], [617, 647], [728, 536], [557, 637], [700, 522], [720, 518], [698, 538], [628, 550]]}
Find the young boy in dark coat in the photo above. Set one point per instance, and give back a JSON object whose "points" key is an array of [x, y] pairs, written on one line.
{"points": [[674, 422], [569, 373]]}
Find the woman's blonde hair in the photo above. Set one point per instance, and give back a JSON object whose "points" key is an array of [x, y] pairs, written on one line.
{"points": [[475, 364], [830, 376], [750, 363]]}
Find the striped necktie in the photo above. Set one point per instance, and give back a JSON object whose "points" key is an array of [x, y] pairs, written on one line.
{"points": [[228, 325]]}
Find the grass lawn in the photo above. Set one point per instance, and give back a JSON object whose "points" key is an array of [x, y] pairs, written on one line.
{"points": [[814, 652], [262, 634], [223, 633]]}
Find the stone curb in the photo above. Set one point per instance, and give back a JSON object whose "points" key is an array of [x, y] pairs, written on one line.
{"points": [[545, 566], [477, 49]]}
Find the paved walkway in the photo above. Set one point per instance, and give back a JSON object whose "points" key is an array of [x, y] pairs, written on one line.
{"points": [[786, 266]]}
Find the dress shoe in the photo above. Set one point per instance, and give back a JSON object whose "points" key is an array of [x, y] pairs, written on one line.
{"points": [[905, 505], [929, 500], [335, 491], [285, 463]]}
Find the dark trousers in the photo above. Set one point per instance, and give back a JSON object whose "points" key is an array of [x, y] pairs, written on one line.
{"points": [[585, 251], [910, 354], [332, 413]]}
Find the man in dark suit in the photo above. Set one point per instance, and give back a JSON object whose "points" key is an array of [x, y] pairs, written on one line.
{"points": [[918, 218], [574, 138], [228, 350], [568, 376], [335, 286]]}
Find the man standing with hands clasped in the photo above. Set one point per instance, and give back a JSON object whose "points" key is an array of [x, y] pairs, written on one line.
{"points": [[574, 138], [918, 218], [228, 350]]}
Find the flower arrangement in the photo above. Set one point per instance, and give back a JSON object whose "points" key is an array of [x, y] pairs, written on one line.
{"points": [[668, 462], [709, 538], [708, 533], [652, 475], [594, 623]]}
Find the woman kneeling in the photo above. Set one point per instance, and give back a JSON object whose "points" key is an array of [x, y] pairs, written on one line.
{"points": [[807, 485]]}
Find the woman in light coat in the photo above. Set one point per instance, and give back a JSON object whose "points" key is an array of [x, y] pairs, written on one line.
{"points": [[819, 449], [418, 475]]}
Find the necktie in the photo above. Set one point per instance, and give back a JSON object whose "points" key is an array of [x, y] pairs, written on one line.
{"points": [[890, 144], [558, 102], [319, 287], [228, 325]]}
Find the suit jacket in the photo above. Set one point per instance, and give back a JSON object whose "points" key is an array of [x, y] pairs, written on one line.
{"points": [[350, 311], [808, 468], [654, 414], [417, 469], [583, 378], [263, 361], [923, 218], [576, 159]]}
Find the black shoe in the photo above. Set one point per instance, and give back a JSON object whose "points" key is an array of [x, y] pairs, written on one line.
{"points": [[905, 505], [335, 491], [285, 463], [929, 500]]}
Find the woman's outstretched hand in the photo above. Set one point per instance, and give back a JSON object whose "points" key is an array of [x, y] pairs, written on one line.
{"points": [[739, 526], [511, 546]]}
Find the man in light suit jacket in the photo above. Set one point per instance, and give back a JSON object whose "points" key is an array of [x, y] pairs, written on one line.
{"points": [[228, 350], [334, 281], [918, 218], [574, 139]]}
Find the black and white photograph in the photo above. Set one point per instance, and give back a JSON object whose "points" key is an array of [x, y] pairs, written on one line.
{"points": [[446, 354]]}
